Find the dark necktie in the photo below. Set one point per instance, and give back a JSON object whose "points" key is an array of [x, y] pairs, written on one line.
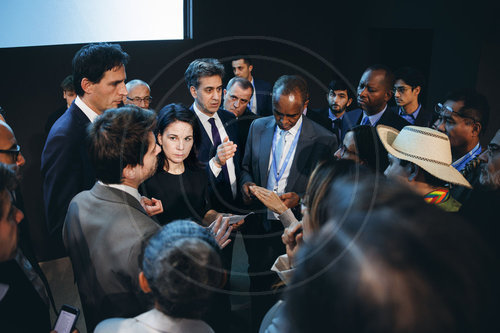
{"points": [[217, 141], [336, 124]]}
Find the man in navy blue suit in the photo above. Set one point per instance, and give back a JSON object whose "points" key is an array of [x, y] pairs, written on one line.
{"points": [[407, 94], [374, 92], [260, 103], [99, 77]]}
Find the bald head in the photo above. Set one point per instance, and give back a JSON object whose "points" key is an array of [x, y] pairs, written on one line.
{"points": [[9, 150]]}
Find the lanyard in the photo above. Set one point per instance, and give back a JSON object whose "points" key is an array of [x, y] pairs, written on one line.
{"points": [[274, 168]]}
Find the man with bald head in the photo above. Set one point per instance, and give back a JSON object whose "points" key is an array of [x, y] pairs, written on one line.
{"points": [[374, 92], [10, 151], [281, 152], [138, 93]]}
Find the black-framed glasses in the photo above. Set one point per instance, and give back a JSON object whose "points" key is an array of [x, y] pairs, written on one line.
{"points": [[146, 100], [343, 149], [13, 151], [445, 112], [492, 149]]}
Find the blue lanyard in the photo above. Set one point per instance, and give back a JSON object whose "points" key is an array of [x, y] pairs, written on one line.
{"points": [[277, 176]]}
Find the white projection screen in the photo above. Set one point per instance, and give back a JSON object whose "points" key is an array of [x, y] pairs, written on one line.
{"points": [[55, 22]]}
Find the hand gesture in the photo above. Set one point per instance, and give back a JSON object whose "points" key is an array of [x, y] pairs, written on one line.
{"points": [[269, 198], [225, 151], [151, 206], [292, 238], [290, 199], [221, 231]]}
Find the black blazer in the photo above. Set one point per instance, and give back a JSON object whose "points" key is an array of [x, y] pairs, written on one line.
{"points": [[66, 169], [263, 90], [389, 118]]}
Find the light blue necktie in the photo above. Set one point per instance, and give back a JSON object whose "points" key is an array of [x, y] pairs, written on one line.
{"points": [[366, 121]]}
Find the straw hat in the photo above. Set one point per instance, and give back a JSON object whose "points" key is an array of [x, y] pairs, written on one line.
{"points": [[425, 147]]}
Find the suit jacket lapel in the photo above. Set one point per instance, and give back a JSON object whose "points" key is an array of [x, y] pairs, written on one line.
{"points": [[266, 143], [305, 141]]}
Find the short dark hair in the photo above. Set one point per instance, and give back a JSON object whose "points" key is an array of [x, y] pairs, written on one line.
{"points": [[288, 84], [8, 183], [117, 138], [170, 114], [183, 268], [246, 60], [243, 83], [337, 84], [93, 60], [388, 74], [475, 105], [384, 270], [370, 149], [67, 84], [204, 67], [412, 77]]}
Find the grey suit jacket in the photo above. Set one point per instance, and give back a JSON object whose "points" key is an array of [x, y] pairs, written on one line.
{"points": [[104, 232], [315, 144]]}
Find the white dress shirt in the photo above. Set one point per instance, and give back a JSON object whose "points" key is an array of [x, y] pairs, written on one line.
{"points": [[223, 134], [289, 137], [374, 118], [253, 100], [125, 188], [91, 114]]}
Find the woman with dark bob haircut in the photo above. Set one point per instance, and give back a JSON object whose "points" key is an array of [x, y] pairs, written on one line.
{"points": [[362, 145], [180, 182]]}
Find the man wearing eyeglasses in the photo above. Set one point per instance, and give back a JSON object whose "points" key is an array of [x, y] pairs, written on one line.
{"points": [[463, 118], [138, 93], [407, 91], [10, 152]]}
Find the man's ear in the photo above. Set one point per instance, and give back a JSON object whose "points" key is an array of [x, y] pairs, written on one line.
{"points": [[143, 283], [87, 85], [305, 105], [129, 172], [193, 92], [417, 90], [349, 101], [476, 128], [250, 68], [412, 170]]}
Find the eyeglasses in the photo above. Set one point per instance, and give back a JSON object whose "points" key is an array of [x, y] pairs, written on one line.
{"points": [[400, 89], [343, 149], [146, 100], [445, 112], [13, 151], [492, 149]]}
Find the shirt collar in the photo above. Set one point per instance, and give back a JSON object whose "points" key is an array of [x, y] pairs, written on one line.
{"points": [[462, 161], [332, 116], [125, 188], [91, 114], [203, 117], [376, 117], [295, 127]]}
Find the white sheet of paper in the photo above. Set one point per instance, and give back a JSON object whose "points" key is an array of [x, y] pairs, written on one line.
{"points": [[232, 219]]}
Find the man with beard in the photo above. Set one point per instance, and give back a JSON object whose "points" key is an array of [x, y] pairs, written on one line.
{"points": [[105, 227], [339, 98]]}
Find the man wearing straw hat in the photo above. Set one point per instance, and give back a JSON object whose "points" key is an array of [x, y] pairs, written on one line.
{"points": [[420, 157]]}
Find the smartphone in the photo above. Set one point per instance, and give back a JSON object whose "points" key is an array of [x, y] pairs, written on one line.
{"points": [[67, 318]]}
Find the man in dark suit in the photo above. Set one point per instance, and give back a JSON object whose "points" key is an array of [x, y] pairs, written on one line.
{"points": [[374, 92], [302, 144], [99, 76], [21, 291], [260, 103], [219, 131], [105, 227], [407, 94], [236, 98], [339, 98]]}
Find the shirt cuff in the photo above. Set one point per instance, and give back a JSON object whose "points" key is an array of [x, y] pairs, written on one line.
{"points": [[282, 268], [215, 170]]}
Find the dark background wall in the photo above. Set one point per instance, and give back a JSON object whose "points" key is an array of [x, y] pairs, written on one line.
{"points": [[456, 45]]}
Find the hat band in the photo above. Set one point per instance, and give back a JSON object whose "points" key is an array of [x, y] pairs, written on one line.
{"points": [[421, 158], [411, 129]]}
